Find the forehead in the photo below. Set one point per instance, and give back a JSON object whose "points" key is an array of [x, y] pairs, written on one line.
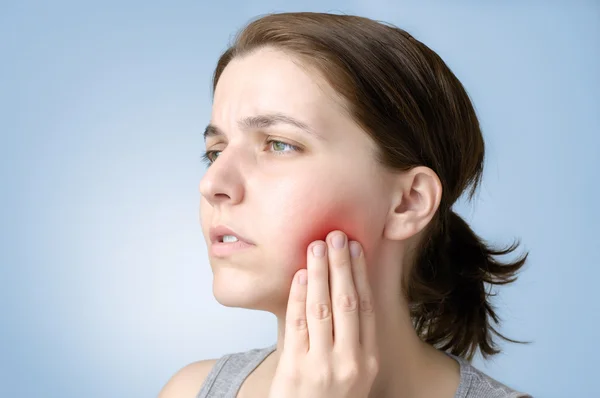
{"points": [[269, 80]]}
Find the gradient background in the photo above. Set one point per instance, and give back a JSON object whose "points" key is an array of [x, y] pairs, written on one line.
{"points": [[106, 288]]}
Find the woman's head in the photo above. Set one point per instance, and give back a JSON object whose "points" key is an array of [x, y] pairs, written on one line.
{"points": [[375, 136], [279, 184]]}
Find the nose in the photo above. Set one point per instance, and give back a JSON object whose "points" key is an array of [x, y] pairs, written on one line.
{"points": [[223, 181]]}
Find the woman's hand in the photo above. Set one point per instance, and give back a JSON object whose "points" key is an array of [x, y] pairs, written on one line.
{"points": [[329, 349]]}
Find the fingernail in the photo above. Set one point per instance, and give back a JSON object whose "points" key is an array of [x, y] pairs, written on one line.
{"points": [[318, 250], [354, 249], [302, 278], [339, 240]]}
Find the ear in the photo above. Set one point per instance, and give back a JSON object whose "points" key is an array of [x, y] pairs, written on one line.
{"points": [[417, 196]]}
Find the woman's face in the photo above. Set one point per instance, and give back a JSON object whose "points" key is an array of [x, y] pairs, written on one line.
{"points": [[285, 194]]}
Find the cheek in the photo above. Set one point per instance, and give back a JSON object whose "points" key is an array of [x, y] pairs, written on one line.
{"points": [[316, 222], [204, 217], [318, 226]]}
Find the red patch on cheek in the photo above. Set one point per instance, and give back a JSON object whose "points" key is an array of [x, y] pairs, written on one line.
{"points": [[317, 228]]}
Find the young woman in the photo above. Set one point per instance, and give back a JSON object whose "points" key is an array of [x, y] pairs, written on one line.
{"points": [[337, 147]]}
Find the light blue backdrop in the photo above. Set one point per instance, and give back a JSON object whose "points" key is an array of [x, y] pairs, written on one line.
{"points": [[106, 290]]}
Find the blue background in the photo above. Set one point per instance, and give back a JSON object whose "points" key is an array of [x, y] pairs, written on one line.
{"points": [[106, 289]]}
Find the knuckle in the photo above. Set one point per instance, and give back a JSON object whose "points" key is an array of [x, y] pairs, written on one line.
{"points": [[347, 302], [299, 324], [349, 373], [366, 304], [372, 365], [321, 311]]}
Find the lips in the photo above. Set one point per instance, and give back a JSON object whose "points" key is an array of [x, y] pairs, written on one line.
{"points": [[217, 233]]}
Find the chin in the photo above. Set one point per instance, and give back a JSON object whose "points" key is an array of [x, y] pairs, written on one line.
{"points": [[249, 291]]}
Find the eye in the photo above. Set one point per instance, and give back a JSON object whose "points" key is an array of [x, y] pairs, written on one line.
{"points": [[280, 146], [209, 157]]}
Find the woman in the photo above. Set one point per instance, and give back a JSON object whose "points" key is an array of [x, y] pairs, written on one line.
{"points": [[337, 147]]}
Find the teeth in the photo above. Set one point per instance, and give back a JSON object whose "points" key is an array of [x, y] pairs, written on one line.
{"points": [[229, 238]]}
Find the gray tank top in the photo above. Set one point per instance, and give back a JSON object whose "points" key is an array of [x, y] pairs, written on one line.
{"points": [[230, 371]]}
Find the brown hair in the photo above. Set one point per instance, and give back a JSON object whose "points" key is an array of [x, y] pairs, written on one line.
{"points": [[416, 110]]}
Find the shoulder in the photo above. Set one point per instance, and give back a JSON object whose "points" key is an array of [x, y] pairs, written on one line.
{"points": [[188, 380], [475, 384]]}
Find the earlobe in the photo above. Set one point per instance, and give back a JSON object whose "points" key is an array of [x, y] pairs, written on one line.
{"points": [[417, 197]]}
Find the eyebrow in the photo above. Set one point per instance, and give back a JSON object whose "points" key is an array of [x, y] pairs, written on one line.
{"points": [[262, 121]]}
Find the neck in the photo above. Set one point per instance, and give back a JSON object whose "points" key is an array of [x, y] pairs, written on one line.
{"points": [[407, 365]]}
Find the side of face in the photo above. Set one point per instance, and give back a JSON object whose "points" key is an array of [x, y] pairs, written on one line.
{"points": [[278, 197]]}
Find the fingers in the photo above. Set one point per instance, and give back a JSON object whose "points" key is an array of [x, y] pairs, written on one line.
{"points": [[296, 331], [365, 299], [318, 303], [344, 299], [330, 303], [327, 319]]}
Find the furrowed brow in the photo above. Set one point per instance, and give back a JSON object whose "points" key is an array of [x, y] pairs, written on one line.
{"points": [[262, 121]]}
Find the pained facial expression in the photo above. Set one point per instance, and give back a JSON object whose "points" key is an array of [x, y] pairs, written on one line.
{"points": [[282, 195]]}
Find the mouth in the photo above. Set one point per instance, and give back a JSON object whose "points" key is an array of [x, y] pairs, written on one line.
{"points": [[227, 239], [225, 242], [224, 235]]}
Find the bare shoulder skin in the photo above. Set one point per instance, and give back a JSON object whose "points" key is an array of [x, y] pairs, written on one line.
{"points": [[188, 380]]}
